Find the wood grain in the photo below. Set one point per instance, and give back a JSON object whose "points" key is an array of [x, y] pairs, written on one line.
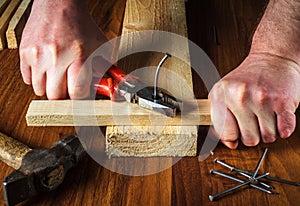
{"points": [[17, 24], [3, 5], [108, 113], [188, 182], [163, 16], [4, 21]]}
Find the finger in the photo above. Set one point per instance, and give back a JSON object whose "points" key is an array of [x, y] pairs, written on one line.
{"points": [[25, 70], [267, 126], [224, 123], [286, 123], [79, 80], [56, 85], [248, 126], [231, 144], [100, 66], [39, 82]]}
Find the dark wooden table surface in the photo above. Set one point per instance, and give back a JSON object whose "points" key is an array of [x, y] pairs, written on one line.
{"points": [[188, 182]]}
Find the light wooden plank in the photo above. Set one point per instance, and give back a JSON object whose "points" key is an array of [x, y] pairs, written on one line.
{"points": [[108, 113], [154, 15], [17, 24], [4, 20], [145, 141], [3, 5]]}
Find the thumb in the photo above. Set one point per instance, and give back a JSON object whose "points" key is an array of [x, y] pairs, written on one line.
{"points": [[79, 80]]}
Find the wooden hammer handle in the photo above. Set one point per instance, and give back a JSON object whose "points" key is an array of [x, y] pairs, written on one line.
{"points": [[12, 151]]}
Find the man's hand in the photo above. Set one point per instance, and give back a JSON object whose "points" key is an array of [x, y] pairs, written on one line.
{"points": [[258, 99], [57, 39]]}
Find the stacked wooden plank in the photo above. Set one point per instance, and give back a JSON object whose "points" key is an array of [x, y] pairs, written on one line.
{"points": [[13, 17]]}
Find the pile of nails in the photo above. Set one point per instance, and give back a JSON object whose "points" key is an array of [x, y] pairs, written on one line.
{"points": [[254, 179]]}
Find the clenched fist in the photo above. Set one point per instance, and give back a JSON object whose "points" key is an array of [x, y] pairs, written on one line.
{"points": [[56, 41], [256, 100]]}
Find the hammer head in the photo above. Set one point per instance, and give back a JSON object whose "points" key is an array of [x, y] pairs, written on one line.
{"points": [[42, 170]]}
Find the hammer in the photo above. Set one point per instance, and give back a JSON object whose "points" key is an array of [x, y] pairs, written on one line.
{"points": [[37, 170]]}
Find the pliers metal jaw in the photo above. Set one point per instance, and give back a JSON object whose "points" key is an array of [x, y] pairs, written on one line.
{"points": [[116, 84], [163, 103]]}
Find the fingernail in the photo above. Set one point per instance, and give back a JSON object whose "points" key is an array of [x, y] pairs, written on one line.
{"points": [[231, 145]]}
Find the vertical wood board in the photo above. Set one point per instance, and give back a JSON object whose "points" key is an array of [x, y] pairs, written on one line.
{"points": [[156, 15], [17, 24], [4, 21]]}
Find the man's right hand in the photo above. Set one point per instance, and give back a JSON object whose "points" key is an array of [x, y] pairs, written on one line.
{"points": [[257, 99], [56, 41]]}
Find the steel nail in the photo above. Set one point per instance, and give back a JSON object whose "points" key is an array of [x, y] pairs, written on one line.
{"points": [[259, 162], [224, 164], [242, 172], [275, 179], [213, 197], [241, 181], [282, 181]]}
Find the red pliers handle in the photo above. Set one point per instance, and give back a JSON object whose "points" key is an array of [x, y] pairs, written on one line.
{"points": [[108, 85]]}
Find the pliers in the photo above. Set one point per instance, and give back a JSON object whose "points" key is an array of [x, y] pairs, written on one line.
{"points": [[116, 84]]}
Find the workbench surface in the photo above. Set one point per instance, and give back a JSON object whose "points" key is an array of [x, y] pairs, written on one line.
{"points": [[188, 182]]}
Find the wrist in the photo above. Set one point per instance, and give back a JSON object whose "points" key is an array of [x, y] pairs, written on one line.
{"points": [[268, 59], [278, 33]]}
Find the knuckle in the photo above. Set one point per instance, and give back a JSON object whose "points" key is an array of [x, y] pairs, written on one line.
{"points": [[219, 89], [35, 53], [249, 140], [261, 96], [241, 94], [53, 49], [78, 48], [236, 92], [214, 94]]}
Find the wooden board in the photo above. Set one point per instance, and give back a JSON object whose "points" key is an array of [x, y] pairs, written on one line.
{"points": [[17, 24], [3, 5], [189, 182], [108, 113], [154, 15], [4, 21], [144, 141]]}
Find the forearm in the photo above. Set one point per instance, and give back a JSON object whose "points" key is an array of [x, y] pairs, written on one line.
{"points": [[278, 33]]}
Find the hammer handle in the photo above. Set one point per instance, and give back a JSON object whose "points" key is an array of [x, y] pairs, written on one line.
{"points": [[12, 151]]}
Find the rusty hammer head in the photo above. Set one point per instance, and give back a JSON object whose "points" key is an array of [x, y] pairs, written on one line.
{"points": [[42, 170]]}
